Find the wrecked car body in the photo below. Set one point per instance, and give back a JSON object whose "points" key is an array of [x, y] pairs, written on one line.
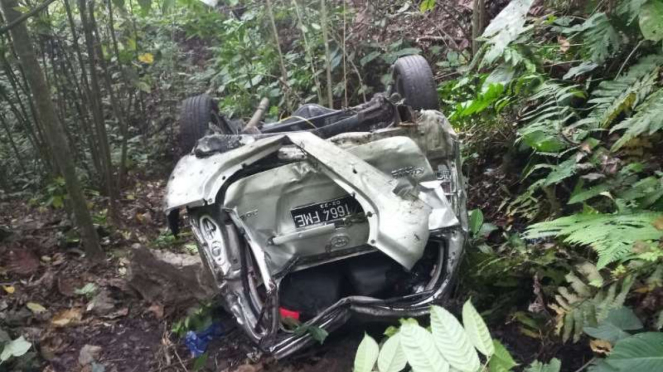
{"points": [[363, 215]]}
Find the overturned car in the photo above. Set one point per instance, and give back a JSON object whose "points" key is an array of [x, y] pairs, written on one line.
{"points": [[327, 215]]}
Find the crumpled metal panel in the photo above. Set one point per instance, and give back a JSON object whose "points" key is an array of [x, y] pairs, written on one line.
{"points": [[263, 202], [398, 219], [196, 181]]}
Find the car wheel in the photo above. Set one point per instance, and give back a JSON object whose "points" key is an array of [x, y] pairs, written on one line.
{"points": [[413, 80], [196, 115]]}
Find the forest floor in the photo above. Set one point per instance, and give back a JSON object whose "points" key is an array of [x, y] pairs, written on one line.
{"points": [[87, 318]]}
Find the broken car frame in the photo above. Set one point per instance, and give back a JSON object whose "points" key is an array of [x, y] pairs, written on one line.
{"points": [[259, 207]]}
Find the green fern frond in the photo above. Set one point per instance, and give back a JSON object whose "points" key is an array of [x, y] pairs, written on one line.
{"points": [[613, 97], [611, 235], [630, 9], [647, 120], [546, 122], [600, 37], [581, 305]]}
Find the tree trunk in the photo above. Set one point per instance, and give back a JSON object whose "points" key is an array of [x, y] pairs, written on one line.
{"points": [[478, 22], [284, 72], [53, 128], [325, 39], [84, 92], [95, 97], [125, 113]]}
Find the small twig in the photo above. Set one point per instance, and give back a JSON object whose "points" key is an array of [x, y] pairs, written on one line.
{"points": [[585, 365], [345, 74], [629, 57], [180, 360], [25, 16]]}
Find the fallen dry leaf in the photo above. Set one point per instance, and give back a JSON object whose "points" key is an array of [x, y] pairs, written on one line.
{"points": [[658, 223], [35, 307], [117, 314], [564, 44], [600, 346], [88, 354], [9, 288], [157, 310], [23, 262], [102, 303], [66, 317]]}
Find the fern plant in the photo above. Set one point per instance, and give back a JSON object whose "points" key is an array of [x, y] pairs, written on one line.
{"points": [[586, 301], [612, 236], [600, 38], [553, 110], [647, 120], [613, 97]]}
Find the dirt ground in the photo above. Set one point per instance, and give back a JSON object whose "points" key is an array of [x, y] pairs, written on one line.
{"points": [[43, 297]]}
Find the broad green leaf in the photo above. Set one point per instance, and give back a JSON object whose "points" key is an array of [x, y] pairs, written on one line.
{"points": [[15, 348], [199, 363], [505, 28], [88, 290], [601, 366], [553, 366], [583, 195], [642, 352], [141, 85], [543, 142], [420, 350], [369, 57], [57, 201], [367, 354], [452, 341], [630, 8], [427, 5], [501, 360], [561, 172], [580, 69], [476, 330], [651, 20], [614, 326], [392, 358], [476, 221]]}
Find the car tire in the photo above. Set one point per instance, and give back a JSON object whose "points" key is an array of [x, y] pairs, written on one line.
{"points": [[195, 115], [413, 81]]}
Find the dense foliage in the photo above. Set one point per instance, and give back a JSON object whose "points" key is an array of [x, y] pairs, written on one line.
{"points": [[561, 110]]}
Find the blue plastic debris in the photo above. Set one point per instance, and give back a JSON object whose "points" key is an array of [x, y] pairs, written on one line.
{"points": [[197, 341]]}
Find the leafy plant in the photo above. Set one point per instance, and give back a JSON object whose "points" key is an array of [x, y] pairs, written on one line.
{"points": [[612, 236], [587, 302], [14, 348], [447, 345]]}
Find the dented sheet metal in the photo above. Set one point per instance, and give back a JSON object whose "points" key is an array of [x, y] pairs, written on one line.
{"points": [[397, 218], [404, 177]]}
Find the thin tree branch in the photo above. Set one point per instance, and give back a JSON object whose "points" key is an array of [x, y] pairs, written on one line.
{"points": [[25, 16]]}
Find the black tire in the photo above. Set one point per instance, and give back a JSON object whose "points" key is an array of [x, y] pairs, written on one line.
{"points": [[196, 114], [413, 81]]}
